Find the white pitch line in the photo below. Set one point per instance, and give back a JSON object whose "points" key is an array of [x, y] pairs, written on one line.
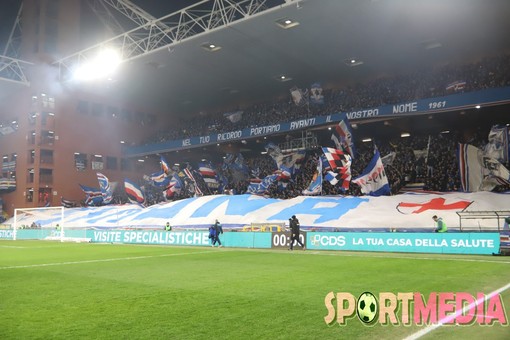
{"points": [[366, 254], [102, 260], [297, 252], [449, 318]]}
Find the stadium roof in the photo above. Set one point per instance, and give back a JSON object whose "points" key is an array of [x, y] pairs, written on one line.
{"points": [[388, 36], [384, 37]]}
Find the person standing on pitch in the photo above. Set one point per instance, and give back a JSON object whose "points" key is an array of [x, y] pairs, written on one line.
{"points": [[212, 234], [218, 230], [440, 225], [294, 230]]}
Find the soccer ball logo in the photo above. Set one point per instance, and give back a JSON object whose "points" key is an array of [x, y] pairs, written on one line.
{"points": [[367, 307]]}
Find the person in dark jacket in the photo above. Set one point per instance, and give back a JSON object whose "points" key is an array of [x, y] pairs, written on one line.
{"points": [[212, 234], [218, 230], [295, 230]]}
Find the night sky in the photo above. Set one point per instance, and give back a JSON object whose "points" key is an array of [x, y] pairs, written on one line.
{"points": [[157, 8], [8, 11]]}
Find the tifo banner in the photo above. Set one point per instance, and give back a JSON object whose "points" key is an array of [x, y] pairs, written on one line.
{"points": [[428, 105], [402, 212], [455, 243]]}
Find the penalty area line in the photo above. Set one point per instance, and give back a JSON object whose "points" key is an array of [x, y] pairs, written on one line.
{"points": [[103, 260], [452, 317]]}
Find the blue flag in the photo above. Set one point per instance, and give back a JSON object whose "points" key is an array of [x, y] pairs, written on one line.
{"points": [[373, 180]]}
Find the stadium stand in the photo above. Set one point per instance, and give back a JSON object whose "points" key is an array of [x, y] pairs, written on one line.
{"points": [[487, 73]]}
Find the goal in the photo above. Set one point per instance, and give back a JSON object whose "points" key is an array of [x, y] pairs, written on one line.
{"points": [[39, 223]]}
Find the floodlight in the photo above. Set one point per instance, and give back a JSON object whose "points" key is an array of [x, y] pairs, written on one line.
{"points": [[101, 66]]}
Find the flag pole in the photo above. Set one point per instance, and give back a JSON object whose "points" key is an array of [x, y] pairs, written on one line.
{"points": [[320, 172], [428, 148]]}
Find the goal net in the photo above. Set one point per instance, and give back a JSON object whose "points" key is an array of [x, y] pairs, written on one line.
{"points": [[39, 223]]}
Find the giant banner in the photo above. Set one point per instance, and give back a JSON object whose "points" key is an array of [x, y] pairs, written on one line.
{"points": [[406, 212]]}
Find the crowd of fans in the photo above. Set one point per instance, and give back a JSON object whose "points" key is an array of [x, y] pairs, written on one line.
{"points": [[428, 160], [487, 73]]}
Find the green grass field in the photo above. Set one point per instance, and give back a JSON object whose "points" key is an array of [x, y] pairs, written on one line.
{"points": [[52, 290]]}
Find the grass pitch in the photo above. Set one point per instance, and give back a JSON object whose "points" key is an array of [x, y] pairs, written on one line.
{"points": [[52, 290]]}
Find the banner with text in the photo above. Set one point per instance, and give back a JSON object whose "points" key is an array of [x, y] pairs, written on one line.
{"points": [[452, 243], [421, 106]]}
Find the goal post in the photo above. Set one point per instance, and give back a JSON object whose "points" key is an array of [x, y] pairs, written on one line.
{"points": [[40, 223]]}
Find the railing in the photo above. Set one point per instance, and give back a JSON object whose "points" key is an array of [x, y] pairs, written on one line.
{"points": [[482, 220]]}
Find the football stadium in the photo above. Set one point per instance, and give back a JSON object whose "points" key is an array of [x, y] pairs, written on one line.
{"points": [[255, 169]]}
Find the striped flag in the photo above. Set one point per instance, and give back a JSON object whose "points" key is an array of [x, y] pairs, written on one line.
{"points": [[94, 196], [164, 165], [478, 172], [208, 174], [174, 186], [158, 179], [67, 203], [343, 138], [133, 191], [106, 189], [189, 175], [373, 180]]}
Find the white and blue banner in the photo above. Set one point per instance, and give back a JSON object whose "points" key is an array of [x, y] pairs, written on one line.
{"points": [[261, 187], [373, 181], [234, 117], [497, 147], [158, 179], [405, 212], [479, 172], [299, 97], [421, 106], [106, 188], [316, 96], [133, 192]]}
